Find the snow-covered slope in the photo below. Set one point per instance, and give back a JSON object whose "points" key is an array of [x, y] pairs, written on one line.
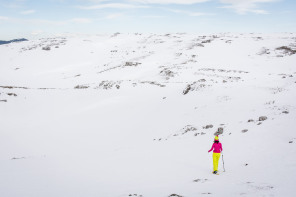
{"points": [[134, 115]]}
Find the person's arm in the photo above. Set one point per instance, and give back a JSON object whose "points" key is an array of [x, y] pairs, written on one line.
{"points": [[221, 147], [211, 148]]}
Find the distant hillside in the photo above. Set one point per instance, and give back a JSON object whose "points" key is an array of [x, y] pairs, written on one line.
{"points": [[14, 40]]}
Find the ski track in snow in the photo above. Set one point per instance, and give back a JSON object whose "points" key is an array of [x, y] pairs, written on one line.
{"points": [[134, 115]]}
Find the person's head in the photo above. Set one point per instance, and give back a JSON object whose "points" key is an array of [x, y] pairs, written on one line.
{"points": [[216, 139]]}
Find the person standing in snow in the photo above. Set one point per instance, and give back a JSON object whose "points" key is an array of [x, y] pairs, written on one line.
{"points": [[217, 146]]}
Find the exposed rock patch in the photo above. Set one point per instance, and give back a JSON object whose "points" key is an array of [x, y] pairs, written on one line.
{"points": [[208, 126], [16, 158], [81, 87], [12, 87], [262, 118], [47, 48], [109, 85], [206, 41], [132, 63], [167, 73], [200, 180], [219, 131], [188, 128], [286, 50], [175, 195], [223, 70], [11, 94], [193, 87], [135, 195], [192, 46], [153, 83]]}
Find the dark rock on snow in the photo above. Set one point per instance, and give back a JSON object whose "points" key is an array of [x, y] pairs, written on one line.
{"points": [[208, 126], [262, 118], [219, 131]]}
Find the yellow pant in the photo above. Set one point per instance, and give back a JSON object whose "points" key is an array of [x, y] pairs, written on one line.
{"points": [[216, 157]]}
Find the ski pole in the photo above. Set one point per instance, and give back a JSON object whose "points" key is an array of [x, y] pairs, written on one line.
{"points": [[223, 162]]}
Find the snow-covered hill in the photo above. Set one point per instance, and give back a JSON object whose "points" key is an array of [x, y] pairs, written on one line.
{"points": [[134, 115]]}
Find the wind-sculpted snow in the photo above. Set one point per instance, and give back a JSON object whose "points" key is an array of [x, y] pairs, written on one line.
{"points": [[121, 115]]}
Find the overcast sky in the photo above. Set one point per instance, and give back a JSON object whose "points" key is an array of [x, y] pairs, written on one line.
{"points": [[29, 18]]}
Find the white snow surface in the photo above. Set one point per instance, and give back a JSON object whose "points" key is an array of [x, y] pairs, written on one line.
{"points": [[125, 114]]}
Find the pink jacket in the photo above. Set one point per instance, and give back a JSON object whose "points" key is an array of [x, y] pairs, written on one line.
{"points": [[217, 148]]}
